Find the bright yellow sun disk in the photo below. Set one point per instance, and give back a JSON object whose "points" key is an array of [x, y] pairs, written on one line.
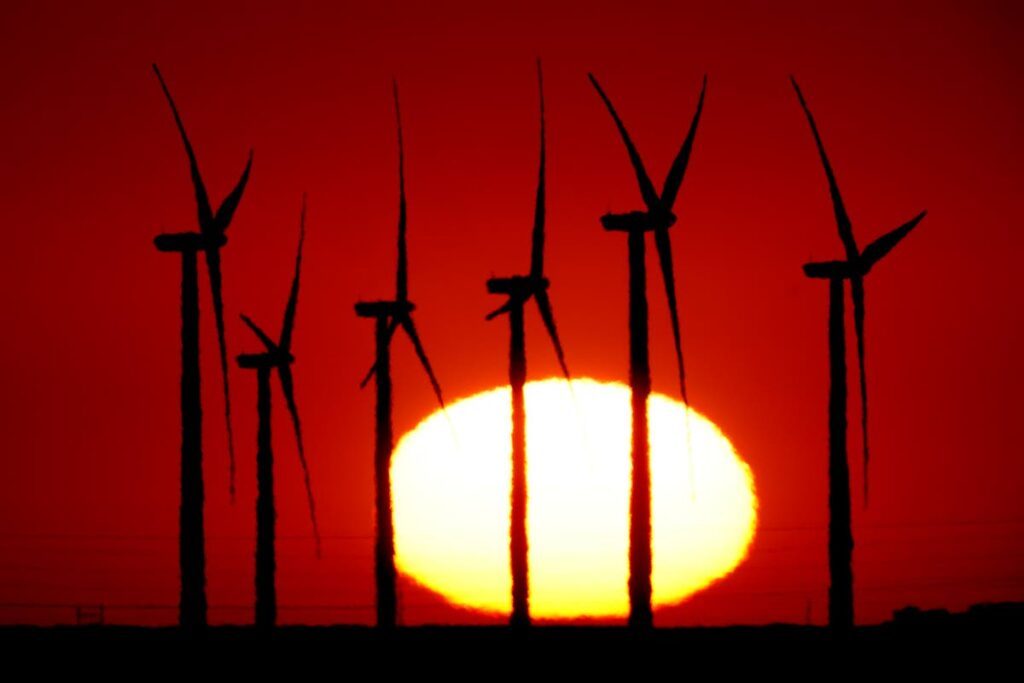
{"points": [[450, 491]]}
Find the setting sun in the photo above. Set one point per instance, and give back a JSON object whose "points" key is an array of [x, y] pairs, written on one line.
{"points": [[451, 481]]}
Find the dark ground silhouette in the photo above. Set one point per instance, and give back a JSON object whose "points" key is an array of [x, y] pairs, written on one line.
{"points": [[918, 639], [277, 356], [856, 266], [210, 239], [657, 218], [388, 317], [519, 289]]}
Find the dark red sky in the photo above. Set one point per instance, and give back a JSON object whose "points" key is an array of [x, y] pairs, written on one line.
{"points": [[920, 106]]}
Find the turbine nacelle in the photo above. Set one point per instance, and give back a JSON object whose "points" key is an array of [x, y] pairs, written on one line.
{"points": [[270, 359], [189, 241], [638, 221], [385, 309], [520, 287], [829, 270], [843, 270]]}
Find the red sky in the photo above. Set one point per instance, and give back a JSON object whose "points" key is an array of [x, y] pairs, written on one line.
{"points": [[919, 104]]}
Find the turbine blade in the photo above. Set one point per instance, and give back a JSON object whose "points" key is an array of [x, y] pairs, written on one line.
{"points": [[402, 284], [537, 252], [288, 325], [373, 368], [288, 388], [664, 246], [410, 329], [227, 208], [875, 251], [857, 291], [647, 191], [202, 199], [498, 311], [546, 314], [213, 268], [368, 376], [842, 219], [263, 336], [674, 179]]}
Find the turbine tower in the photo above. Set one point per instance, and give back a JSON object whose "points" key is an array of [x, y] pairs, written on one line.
{"points": [[388, 317], [519, 289], [856, 266], [210, 239], [276, 356], [657, 217]]}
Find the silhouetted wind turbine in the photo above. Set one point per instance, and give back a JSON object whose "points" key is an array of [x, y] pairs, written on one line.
{"points": [[389, 316], [857, 264], [519, 289], [210, 239], [656, 218], [276, 356]]}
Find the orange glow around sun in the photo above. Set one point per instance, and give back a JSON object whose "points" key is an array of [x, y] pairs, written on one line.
{"points": [[451, 483]]}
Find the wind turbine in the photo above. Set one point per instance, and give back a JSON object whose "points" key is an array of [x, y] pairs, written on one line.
{"points": [[657, 217], [519, 289], [857, 265], [209, 240], [389, 316], [276, 356]]}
